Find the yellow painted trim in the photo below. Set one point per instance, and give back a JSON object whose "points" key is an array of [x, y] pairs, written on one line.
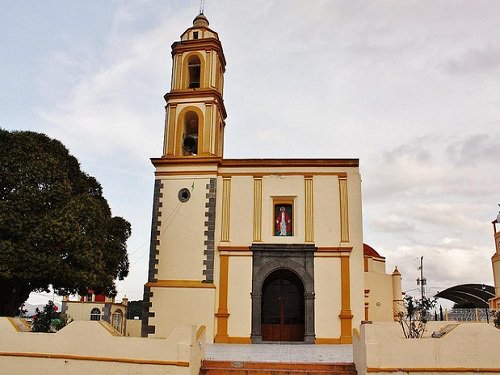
{"points": [[170, 130], [218, 143], [202, 44], [309, 214], [438, 370], [335, 249], [201, 330], [327, 341], [233, 248], [179, 129], [344, 210], [226, 173], [192, 159], [96, 359], [187, 173], [257, 209], [14, 323], [345, 313], [222, 314], [226, 209], [111, 330], [208, 80], [307, 163], [333, 252], [180, 284], [208, 131]]}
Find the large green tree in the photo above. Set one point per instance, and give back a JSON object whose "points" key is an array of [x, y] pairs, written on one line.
{"points": [[56, 228]]}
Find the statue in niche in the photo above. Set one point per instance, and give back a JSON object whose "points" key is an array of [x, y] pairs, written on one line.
{"points": [[283, 219]]}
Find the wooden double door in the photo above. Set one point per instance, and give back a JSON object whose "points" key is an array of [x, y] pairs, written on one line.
{"points": [[282, 313]]}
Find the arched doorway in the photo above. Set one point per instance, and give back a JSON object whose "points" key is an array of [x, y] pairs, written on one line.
{"points": [[282, 310]]}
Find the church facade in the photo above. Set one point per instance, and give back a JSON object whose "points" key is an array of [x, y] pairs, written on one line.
{"points": [[256, 250]]}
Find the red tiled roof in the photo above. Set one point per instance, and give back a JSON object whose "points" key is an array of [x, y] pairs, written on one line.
{"points": [[370, 251]]}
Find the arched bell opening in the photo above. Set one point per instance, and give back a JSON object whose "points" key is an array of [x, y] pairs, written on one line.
{"points": [[194, 72], [282, 307], [190, 134]]}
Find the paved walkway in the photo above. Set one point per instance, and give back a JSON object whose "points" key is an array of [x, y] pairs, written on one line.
{"points": [[298, 353]]}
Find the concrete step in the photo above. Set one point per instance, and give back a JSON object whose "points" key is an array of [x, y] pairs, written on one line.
{"points": [[212, 367]]}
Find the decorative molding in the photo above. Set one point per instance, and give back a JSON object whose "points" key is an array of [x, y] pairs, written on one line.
{"points": [[153, 258], [334, 249], [437, 370], [96, 359], [345, 313], [233, 248], [170, 129], [257, 209], [309, 214], [344, 210], [226, 209], [180, 284], [208, 262], [201, 330], [222, 314], [280, 163]]}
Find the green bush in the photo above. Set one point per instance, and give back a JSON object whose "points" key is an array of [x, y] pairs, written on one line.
{"points": [[48, 320]]}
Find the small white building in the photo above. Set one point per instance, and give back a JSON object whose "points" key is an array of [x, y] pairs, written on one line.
{"points": [[97, 307]]}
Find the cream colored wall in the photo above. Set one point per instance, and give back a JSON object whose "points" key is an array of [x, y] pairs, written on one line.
{"points": [[239, 298], [326, 215], [356, 260], [327, 303], [174, 307], [134, 327], [89, 348], [326, 210], [81, 310], [468, 348], [241, 217], [380, 297], [182, 230], [206, 33], [376, 265]]}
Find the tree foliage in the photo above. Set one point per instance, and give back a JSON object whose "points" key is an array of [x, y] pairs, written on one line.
{"points": [[56, 228], [415, 316], [134, 309], [47, 320]]}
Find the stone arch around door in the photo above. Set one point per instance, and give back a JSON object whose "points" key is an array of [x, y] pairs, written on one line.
{"points": [[299, 259]]}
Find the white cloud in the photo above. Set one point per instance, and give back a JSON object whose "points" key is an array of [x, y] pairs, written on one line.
{"points": [[409, 89]]}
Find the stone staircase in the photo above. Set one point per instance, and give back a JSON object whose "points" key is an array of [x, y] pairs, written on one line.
{"points": [[215, 367]]}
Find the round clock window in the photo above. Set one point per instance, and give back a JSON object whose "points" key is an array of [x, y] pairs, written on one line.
{"points": [[184, 195]]}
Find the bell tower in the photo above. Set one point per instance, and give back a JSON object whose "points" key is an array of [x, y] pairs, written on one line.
{"points": [[195, 113], [182, 264]]}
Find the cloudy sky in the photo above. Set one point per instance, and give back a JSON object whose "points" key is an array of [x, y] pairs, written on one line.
{"points": [[411, 88]]}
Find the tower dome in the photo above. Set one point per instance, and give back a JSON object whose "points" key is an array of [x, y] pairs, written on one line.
{"points": [[200, 20]]}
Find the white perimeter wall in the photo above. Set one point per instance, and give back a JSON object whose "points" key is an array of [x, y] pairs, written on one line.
{"points": [[467, 348], [89, 348]]}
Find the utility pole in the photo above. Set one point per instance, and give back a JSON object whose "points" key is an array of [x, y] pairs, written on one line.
{"points": [[421, 280]]}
